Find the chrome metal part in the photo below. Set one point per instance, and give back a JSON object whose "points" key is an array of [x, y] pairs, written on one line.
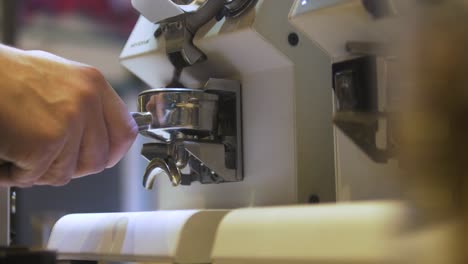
{"points": [[164, 158], [207, 152], [179, 31], [208, 167], [191, 111], [143, 120], [166, 166], [179, 45]]}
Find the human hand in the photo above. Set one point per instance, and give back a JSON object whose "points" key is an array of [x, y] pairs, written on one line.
{"points": [[59, 120]]}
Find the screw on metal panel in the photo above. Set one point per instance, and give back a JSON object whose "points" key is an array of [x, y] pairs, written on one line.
{"points": [[293, 39], [314, 199]]}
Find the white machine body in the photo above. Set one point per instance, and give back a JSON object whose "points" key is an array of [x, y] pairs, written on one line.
{"points": [[291, 149], [347, 233], [292, 152]]}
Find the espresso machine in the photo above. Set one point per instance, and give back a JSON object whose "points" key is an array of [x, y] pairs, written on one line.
{"points": [[269, 137], [299, 132]]}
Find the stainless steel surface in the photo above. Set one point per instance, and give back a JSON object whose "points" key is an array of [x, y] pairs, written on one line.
{"points": [[190, 111], [208, 163], [179, 32], [157, 166], [208, 150], [143, 121]]}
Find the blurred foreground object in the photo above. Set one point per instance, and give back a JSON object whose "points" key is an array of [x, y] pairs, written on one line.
{"points": [[434, 125], [22, 255]]}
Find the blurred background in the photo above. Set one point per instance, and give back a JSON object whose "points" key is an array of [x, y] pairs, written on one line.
{"points": [[92, 32]]}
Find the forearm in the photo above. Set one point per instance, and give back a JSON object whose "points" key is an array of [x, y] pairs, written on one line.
{"points": [[59, 119]]}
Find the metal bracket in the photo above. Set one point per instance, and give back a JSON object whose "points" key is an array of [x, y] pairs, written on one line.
{"points": [[357, 112], [179, 31], [187, 158], [362, 128]]}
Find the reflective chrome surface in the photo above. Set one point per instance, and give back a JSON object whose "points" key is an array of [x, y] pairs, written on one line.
{"points": [[158, 166], [143, 121], [179, 31], [187, 110], [197, 132]]}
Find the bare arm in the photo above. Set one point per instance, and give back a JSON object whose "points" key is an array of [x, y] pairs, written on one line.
{"points": [[59, 120]]}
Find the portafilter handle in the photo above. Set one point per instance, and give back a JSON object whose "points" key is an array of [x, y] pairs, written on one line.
{"points": [[143, 120], [167, 165]]}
